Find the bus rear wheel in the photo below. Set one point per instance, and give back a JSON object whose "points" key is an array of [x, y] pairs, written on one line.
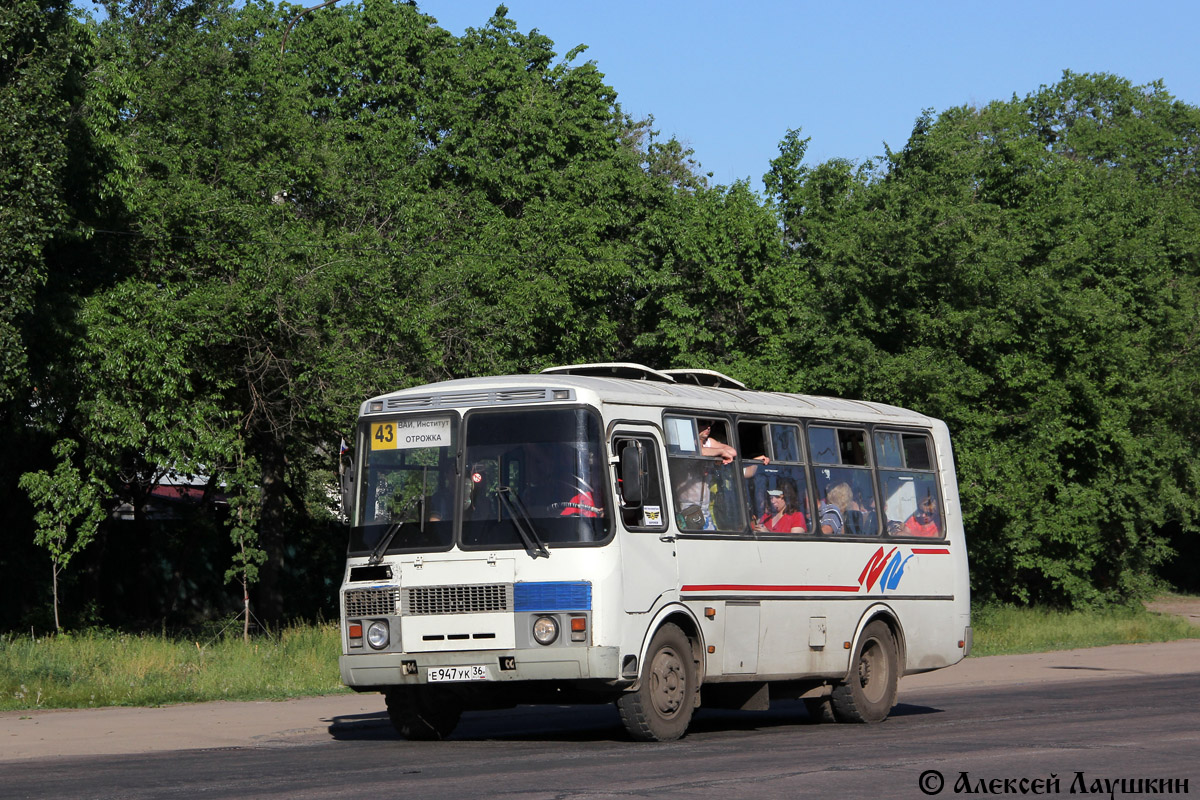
{"points": [[661, 708], [423, 713], [870, 692]]}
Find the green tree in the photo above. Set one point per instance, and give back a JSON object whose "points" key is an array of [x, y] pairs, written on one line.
{"points": [[1028, 271], [379, 204], [36, 54], [69, 510], [244, 508]]}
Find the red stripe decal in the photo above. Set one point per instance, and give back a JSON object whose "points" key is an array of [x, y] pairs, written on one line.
{"points": [[735, 587], [931, 551]]}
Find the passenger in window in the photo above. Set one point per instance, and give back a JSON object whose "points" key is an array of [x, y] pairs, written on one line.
{"points": [[693, 481], [784, 514], [712, 447], [832, 512], [860, 516], [693, 488], [703, 491], [923, 521], [586, 502]]}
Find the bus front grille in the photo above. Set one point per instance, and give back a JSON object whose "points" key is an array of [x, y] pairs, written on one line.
{"points": [[372, 602], [469, 599]]}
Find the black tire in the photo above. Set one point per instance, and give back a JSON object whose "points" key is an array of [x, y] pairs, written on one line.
{"points": [[820, 709], [870, 693], [661, 708], [423, 713]]}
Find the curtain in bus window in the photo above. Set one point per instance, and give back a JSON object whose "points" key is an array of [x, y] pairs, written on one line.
{"points": [[822, 444], [887, 450], [785, 443]]}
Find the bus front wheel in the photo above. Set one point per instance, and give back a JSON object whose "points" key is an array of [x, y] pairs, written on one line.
{"points": [[661, 708], [870, 692], [423, 713]]}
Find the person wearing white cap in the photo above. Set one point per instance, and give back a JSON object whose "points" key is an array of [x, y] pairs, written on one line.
{"points": [[783, 514]]}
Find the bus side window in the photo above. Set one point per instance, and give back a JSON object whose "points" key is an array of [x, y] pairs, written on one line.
{"points": [[846, 499], [911, 500], [776, 493], [650, 515], [705, 488]]}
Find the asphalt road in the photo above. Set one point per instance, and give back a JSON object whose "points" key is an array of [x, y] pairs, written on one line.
{"points": [[1099, 728]]}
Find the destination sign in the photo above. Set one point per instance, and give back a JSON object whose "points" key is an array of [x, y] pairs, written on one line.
{"points": [[408, 434]]}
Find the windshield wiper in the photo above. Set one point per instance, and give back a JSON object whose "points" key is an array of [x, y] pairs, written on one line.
{"points": [[393, 529], [521, 521]]}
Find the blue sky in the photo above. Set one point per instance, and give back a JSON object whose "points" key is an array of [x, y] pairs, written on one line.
{"points": [[729, 79]]}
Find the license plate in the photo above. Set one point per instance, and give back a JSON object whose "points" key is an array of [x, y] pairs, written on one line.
{"points": [[475, 672]]}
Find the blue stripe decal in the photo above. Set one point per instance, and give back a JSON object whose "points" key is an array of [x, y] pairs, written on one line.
{"points": [[553, 596]]}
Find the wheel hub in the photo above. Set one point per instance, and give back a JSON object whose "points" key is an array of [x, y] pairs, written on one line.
{"points": [[668, 683]]}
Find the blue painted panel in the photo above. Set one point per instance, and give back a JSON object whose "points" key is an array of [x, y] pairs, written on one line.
{"points": [[553, 596]]}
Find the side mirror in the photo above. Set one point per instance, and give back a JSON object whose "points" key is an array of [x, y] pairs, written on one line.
{"points": [[347, 486], [633, 474]]}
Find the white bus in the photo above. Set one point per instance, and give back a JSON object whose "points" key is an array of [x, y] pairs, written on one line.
{"points": [[662, 539]]}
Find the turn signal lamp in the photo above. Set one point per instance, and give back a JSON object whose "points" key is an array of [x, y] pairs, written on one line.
{"points": [[354, 634]]}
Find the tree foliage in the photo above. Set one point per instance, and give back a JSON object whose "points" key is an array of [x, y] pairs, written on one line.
{"points": [[1028, 271], [69, 510], [43, 52]]}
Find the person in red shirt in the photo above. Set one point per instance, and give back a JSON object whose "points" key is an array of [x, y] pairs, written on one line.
{"points": [[783, 514], [587, 501], [582, 504], [923, 521]]}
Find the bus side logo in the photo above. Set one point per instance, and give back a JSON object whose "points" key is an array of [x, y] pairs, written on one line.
{"points": [[887, 569]]}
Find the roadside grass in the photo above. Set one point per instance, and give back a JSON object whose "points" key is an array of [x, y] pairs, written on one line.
{"points": [[1008, 630], [98, 668], [106, 668]]}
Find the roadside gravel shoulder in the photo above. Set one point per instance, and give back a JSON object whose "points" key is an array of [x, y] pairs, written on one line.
{"points": [[26, 735]]}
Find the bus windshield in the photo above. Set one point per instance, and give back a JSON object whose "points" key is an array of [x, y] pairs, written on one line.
{"points": [[406, 496], [533, 478]]}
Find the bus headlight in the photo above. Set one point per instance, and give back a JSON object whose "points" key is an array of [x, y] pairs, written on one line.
{"points": [[545, 630], [377, 634]]}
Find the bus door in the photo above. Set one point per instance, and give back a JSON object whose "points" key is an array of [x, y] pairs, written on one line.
{"points": [[648, 565]]}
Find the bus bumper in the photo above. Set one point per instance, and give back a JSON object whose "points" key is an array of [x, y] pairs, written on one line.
{"points": [[376, 671]]}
